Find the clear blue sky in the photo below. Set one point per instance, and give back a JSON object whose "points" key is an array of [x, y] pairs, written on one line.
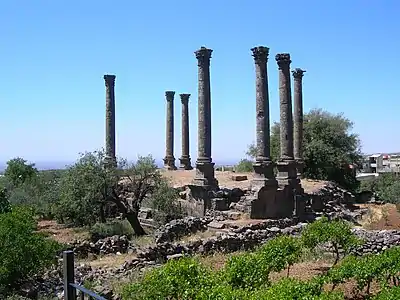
{"points": [[54, 54]]}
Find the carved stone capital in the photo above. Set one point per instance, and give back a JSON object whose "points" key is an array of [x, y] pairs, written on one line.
{"points": [[283, 60], [203, 56], [260, 54], [184, 98], [169, 95], [298, 73], [109, 80]]}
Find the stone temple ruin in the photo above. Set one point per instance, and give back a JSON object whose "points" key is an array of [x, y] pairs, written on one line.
{"points": [[270, 196]]}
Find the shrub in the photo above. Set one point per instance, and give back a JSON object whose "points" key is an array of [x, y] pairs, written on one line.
{"points": [[115, 227], [289, 288], [178, 279], [5, 205], [280, 253], [246, 270], [23, 252], [244, 165], [165, 204], [336, 232], [388, 294]]}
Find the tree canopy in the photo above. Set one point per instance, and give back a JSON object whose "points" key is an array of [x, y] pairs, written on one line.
{"points": [[330, 148]]}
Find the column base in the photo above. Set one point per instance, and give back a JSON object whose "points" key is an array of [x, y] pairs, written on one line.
{"points": [[263, 175], [185, 163], [205, 174], [287, 174], [169, 163]]}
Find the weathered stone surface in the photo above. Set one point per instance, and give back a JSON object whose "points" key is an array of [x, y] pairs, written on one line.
{"points": [[110, 157], [298, 120], [285, 103], [204, 166], [185, 163], [169, 160], [239, 177], [263, 167], [180, 227]]}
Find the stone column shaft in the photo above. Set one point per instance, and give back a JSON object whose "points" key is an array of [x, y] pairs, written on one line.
{"points": [[204, 141], [263, 167], [298, 119], [110, 154], [169, 160], [185, 158], [204, 166], [285, 99]]}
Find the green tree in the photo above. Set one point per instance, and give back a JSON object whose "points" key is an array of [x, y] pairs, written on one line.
{"points": [[386, 187], [87, 187], [19, 171], [23, 251], [330, 148]]}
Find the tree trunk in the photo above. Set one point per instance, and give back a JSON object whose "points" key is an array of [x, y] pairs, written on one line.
{"points": [[134, 221], [102, 215]]}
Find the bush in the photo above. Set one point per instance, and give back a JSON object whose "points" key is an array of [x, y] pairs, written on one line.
{"points": [[116, 227], [280, 253], [178, 279], [388, 294], [289, 288], [244, 165], [246, 270], [336, 232], [23, 252], [165, 203], [5, 205]]}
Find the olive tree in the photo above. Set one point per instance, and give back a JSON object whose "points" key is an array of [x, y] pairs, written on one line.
{"points": [[88, 187]]}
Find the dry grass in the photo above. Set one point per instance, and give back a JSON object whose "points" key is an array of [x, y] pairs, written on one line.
{"points": [[182, 177], [62, 234], [381, 217], [108, 261]]}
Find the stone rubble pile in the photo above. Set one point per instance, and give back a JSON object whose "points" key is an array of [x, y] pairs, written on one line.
{"points": [[376, 241], [114, 244], [180, 228]]}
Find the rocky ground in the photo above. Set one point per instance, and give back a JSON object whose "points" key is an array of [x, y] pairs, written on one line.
{"points": [[107, 263]]}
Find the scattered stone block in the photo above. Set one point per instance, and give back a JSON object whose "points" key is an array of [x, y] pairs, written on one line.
{"points": [[239, 177], [216, 225]]}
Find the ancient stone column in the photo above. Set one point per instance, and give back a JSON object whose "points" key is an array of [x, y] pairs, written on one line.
{"points": [[298, 120], [286, 164], [185, 163], [204, 166], [169, 160], [263, 166], [110, 155]]}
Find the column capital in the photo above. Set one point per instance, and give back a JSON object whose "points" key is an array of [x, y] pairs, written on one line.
{"points": [[260, 54], [184, 98], [298, 73], [170, 95], [203, 55], [109, 80], [283, 60]]}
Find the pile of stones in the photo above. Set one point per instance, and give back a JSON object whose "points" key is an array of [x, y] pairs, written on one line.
{"points": [[114, 244], [180, 228], [376, 241]]}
